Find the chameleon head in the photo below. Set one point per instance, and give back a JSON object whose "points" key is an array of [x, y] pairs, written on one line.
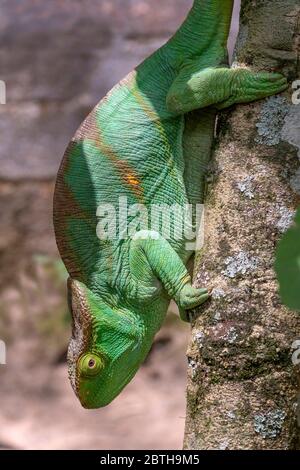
{"points": [[105, 349]]}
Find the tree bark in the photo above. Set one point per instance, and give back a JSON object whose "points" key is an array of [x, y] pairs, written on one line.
{"points": [[243, 388]]}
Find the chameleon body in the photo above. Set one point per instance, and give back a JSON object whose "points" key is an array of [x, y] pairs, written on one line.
{"points": [[134, 144]]}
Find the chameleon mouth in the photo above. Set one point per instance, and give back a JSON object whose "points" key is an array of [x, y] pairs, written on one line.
{"points": [[81, 329]]}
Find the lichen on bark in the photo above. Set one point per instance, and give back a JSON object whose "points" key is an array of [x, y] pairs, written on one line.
{"points": [[243, 389]]}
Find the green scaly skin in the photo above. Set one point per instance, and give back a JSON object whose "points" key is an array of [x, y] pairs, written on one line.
{"points": [[135, 144]]}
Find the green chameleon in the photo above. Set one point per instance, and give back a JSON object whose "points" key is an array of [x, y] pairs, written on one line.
{"points": [[134, 145]]}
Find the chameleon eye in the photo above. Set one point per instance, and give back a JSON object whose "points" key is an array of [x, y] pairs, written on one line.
{"points": [[90, 365]]}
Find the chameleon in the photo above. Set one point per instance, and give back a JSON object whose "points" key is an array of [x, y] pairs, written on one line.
{"points": [[138, 143]]}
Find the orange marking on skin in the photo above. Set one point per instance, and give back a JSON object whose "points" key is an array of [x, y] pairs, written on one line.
{"points": [[126, 172], [90, 130], [131, 179]]}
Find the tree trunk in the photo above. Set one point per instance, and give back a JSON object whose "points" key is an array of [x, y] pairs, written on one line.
{"points": [[242, 387]]}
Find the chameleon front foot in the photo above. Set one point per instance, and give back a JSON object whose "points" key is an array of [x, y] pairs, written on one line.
{"points": [[189, 298]]}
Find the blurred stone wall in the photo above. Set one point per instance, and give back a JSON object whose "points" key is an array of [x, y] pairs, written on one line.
{"points": [[58, 59]]}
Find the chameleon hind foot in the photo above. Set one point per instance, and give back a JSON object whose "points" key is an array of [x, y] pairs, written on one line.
{"points": [[190, 297], [248, 86], [221, 88]]}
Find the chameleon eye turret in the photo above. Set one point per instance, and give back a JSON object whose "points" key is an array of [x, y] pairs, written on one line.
{"points": [[135, 144], [90, 365]]}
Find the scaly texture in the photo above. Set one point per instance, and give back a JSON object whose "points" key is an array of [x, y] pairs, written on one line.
{"points": [[134, 145]]}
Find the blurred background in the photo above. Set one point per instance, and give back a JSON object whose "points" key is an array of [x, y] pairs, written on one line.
{"points": [[58, 59]]}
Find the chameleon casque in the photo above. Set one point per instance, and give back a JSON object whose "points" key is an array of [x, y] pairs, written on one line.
{"points": [[134, 144]]}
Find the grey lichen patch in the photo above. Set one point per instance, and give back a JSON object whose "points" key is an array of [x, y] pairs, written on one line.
{"points": [[199, 338], [224, 445], [246, 187], [193, 365], [269, 425], [217, 317], [291, 129], [241, 263], [224, 332], [291, 134], [295, 182], [286, 217], [280, 216], [218, 293], [231, 414], [272, 118], [231, 336]]}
